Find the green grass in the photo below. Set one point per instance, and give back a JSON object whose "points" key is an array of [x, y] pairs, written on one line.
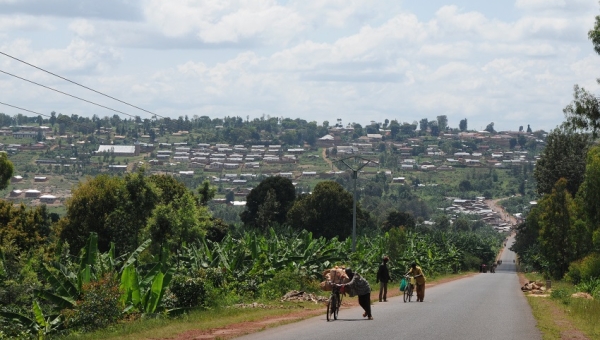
{"points": [[582, 314], [197, 320], [542, 311], [585, 315]]}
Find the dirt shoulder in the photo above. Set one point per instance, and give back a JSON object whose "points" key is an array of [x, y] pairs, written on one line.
{"points": [[242, 328]]}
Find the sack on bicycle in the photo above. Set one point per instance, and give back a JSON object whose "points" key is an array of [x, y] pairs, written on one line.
{"points": [[403, 284]]}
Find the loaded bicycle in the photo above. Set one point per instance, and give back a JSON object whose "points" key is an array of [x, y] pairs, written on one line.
{"points": [[334, 303], [409, 289]]}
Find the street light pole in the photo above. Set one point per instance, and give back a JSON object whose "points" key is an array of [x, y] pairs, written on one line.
{"points": [[354, 177]]}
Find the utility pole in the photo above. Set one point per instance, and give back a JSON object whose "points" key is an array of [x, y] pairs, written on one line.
{"points": [[355, 169]]}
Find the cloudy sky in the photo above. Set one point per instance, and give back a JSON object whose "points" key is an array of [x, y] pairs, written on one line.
{"points": [[511, 62]]}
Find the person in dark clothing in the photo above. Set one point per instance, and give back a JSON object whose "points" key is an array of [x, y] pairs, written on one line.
{"points": [[359, 286], [383, 277]]}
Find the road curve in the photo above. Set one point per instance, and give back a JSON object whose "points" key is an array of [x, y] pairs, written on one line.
{"points": [[485, 306]]}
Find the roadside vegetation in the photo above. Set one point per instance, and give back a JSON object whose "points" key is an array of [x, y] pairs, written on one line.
{"points": [[560, 237], [144, 247]]}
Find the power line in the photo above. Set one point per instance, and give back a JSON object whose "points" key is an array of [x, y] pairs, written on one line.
{"points": [[76, 83], [66, 94], [45, 115], [20, 108]]}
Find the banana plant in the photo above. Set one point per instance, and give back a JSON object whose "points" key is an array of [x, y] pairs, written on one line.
{"points": [[145, 292], [40, 325], [67, 284]]}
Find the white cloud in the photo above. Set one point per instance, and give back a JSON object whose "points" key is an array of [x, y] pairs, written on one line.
{"points": [[23, 22], [107, 9], [457, 50], [224, 21], [549, 5], [79, 56], [83, 27], [321, 59]]}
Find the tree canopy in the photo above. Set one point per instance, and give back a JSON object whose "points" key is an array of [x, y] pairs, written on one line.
{"points": [[125, 210], [326, 212], [463, 125], [281, 191], [583, 113], [563, 157], [6, 170]]}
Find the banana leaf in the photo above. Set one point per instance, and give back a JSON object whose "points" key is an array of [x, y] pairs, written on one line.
{"points": [[63, 287], [133, 257], [153, 299], [39, 315], [61, 301], [130, 286]]}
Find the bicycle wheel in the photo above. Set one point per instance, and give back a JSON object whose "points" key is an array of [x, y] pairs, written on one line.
{"points": [[338, 304], [406, 293], [332, 307], [411, 291]]}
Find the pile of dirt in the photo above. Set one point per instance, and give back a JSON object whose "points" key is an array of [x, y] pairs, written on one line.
{"points": [[298, 296], [582, 295]]}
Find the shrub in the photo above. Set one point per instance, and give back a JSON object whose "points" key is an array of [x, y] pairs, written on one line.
{"points": [[100, 306], [188, 291], [470, 262], [591, 286], [282, 283], [560, 294], [584, 269]]}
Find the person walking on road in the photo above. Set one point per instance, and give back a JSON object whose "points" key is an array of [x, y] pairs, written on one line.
{"points": [[417, 273], [383, 277], [359, 286]]}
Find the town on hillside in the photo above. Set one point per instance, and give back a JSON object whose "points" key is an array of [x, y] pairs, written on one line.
{"points": [[50, 158]]}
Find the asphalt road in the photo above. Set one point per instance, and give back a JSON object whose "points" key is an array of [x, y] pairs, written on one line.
{"points": [[485, 306]]}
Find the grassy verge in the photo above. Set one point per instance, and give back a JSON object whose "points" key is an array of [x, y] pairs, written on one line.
{"points": [[196, 320], [561, 316], [223, 317]]}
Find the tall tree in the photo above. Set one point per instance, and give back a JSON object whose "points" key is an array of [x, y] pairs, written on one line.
{"points": [[423, 124], [267, 211], [490, 128], [442, 122], [6, 170], [522, 141], [170, 187], [526, 238], [285, 194], [589, 195], [462, 125], [115, 208], [25, 228], [207, 192], [563, 157], [399, 219], [434, 128], [583, 113], [394, 128], [558, 229], [326, 212], [88, 208]]}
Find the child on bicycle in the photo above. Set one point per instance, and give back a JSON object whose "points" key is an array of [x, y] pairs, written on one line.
{"points": [[417, 273], [359, 286]]}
